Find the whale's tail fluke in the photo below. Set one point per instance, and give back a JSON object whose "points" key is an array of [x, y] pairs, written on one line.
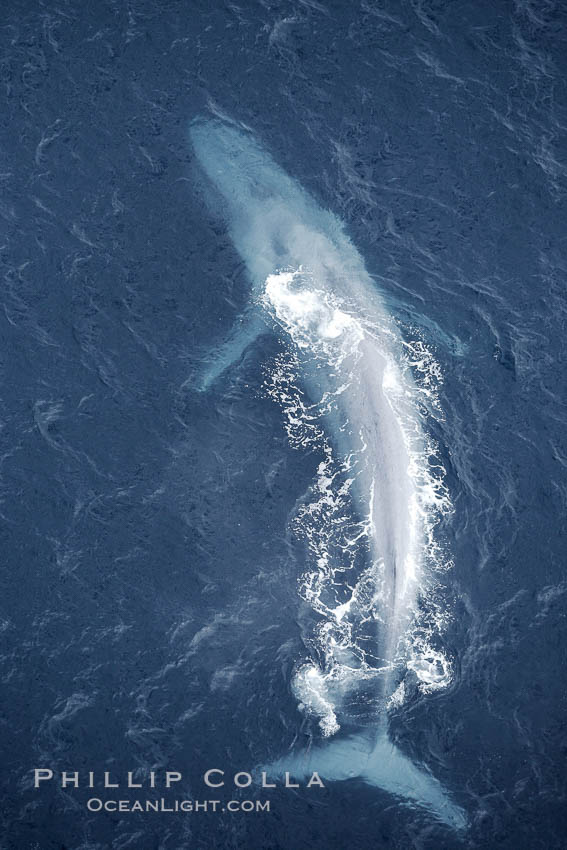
{"points": [[379, 763]]}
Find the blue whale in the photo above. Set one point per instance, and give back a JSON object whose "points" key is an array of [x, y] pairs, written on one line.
{"points": [[308, 279]]}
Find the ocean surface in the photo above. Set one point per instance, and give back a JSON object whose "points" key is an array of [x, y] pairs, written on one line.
{"points": [[197, 571]]}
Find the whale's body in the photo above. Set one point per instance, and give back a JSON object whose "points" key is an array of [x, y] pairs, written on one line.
{"points": [[307, 276]]}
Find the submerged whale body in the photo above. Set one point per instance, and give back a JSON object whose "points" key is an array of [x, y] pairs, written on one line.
{"points": [[307, 277]]}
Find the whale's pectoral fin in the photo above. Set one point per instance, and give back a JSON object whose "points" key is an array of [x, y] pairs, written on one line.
{"points": [[380, 764], [249, 326]]}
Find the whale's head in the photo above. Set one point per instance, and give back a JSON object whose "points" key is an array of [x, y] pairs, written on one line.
{"points": [[273, 222]]}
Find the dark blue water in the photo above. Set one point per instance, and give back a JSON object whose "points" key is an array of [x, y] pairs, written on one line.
{"points": [[150, 609]]}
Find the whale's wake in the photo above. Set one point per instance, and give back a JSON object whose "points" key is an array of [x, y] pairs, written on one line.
{"points": [[350, 386]]}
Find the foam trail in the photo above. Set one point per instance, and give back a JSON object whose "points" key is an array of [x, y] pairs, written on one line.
{"points": [[308, 277]]}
